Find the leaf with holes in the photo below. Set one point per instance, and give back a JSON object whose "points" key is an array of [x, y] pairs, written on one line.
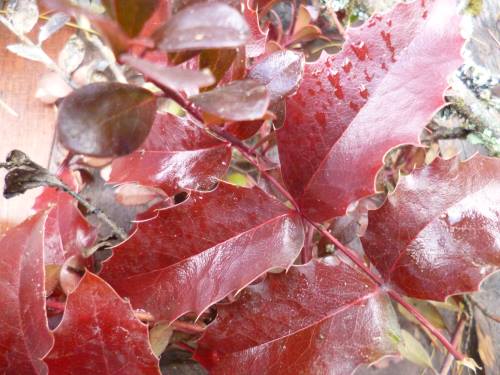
{"points": [[198, 252], [237, 101], [177, 154], [317, 318], [99, 332], [438, 234], [202, 26], [24, 334], [106, 119], [378, 92]]}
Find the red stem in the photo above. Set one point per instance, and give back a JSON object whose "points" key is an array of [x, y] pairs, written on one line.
{"points": [[412, 310], [250, 156], [455, 340]]}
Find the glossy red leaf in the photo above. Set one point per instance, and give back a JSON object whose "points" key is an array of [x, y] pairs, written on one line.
{"points": [[106, 119], [202, 26], [439, 233], [318, 318], [196, 253], [131, 15], [237, 101], [99, 332], [24, 334], [281, 73], [378, 92], [175, 78], [177, 154]]}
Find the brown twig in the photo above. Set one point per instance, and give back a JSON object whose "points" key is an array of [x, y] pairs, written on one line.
{"points": [[455, 341]]}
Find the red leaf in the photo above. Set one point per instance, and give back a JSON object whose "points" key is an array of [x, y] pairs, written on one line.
{"points": [[281, 73], [174, 77], [24, 334], [106, 119], [379, 92], [317, 318], [199, 251], [99, 332], [237, 101], [202, 26], [438, 234], [176, 154], [256, 45]]}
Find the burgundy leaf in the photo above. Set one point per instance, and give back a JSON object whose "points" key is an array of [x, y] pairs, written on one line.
{"points": [[202, 26], [318, 318], [106, 119], [130, 14], [351, 108], [196, 253], [24, 334], [175, 78], [256, 45], [99, 332], [281, 73], [177, 154], [438, 234], [237, 101]]}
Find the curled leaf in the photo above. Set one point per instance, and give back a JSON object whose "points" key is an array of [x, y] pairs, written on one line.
{"points": [[202, 26], [106, 119], [281, 73]]}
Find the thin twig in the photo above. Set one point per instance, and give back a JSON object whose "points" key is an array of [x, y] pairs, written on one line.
{"points": [[187, 327], [19, 161], [457, 337], [49, 63]]}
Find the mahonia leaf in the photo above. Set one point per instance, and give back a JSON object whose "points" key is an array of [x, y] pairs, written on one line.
{"points": [[175, 78], [99, 332], [196, 253], [281, 73], [237, 101], [438, 233], [177, 154], [106, 119], [24, 334], [378, 92], [318, 318], [202, 26], [130, 14]]}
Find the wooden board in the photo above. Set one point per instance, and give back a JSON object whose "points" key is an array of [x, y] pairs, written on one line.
{"points": [[32, 131]]}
